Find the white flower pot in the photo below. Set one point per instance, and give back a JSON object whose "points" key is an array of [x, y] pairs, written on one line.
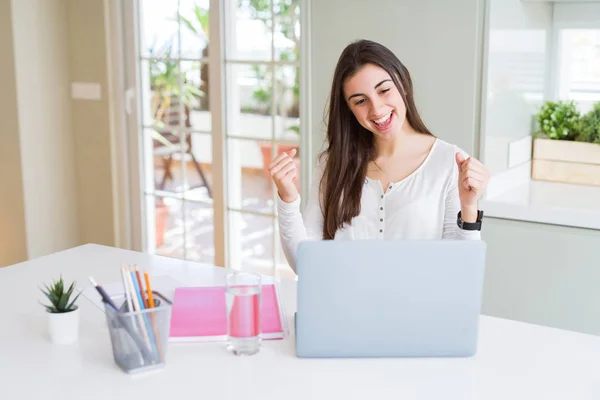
{"points": [[64, 327]]}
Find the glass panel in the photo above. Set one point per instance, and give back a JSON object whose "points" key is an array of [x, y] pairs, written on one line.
{"points": [[249, 101], [158, 20], [249, 181], [287, 29], [165, 226], [287, 118], [251, 242], [195, 95], [193, 15], [161, 95], [163, 153], [250, 38], [580, 67], [198, 170], [199, 231]]}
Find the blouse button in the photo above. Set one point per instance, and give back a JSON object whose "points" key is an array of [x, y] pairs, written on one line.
{"points": [[390, 186], [381, 231], [381, 208], [382, 196], [381, 219]]}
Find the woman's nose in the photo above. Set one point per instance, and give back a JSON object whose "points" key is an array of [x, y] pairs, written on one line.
{"points": [[377, 108]]}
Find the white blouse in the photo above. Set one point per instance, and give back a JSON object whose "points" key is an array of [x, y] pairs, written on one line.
{"points": [[423, 206]]}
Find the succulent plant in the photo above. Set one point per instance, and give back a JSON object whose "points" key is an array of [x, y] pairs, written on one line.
{"points": [[60, 299]]}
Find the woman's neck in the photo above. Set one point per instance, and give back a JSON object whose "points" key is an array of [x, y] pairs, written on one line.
{"points": [[392, 146]]}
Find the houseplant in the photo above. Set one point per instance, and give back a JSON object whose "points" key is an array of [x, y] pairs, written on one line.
{"points": [[566, 146], [589, 126], [63, 314]]}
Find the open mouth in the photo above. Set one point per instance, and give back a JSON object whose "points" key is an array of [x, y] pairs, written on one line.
{"points": [[383, 123]]}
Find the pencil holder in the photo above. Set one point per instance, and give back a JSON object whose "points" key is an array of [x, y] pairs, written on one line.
{"points": [[139, 338]]}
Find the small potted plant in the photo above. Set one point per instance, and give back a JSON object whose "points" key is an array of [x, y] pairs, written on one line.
{"points": [[566, 146], [63, 314]]}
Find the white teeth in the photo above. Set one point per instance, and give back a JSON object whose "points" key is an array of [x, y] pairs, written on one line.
{"points": [[384, 119]]}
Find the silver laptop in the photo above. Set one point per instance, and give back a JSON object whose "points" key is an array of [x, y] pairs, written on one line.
{"points": [[374, 298]]}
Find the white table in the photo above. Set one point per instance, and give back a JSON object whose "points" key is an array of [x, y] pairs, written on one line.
{"points": [[514, 361]]}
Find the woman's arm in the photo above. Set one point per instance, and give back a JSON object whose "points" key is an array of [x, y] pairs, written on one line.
{"points": [[451, 229], [295, 227]]}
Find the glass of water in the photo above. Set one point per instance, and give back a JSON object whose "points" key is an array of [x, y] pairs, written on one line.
{"points": [[243, 313]]}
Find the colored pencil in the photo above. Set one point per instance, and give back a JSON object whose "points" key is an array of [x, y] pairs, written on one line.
{"points": [[146, 325], [141, 286], [153, 316], [149, 289], [136, 306], [126, 288]]}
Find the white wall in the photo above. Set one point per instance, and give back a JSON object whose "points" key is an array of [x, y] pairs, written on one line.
{"points": [[517, 61], [42, 70], [438, 41], [577, 13]]}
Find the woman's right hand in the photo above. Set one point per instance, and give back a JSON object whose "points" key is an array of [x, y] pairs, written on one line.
{"points": [[283, 171]]}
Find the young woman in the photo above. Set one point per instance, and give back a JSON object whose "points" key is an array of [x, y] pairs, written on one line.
{"points": [[384, 175]]}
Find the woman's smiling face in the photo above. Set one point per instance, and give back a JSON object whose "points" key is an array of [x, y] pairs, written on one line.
{"points": [[375, 101]]}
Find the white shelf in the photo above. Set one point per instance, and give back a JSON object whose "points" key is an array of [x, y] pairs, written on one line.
{"points": [[545, 202]]}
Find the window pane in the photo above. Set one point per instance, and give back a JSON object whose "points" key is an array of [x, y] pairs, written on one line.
{"points": [[158, 27], [160, 92], [250, 88], [287, 119], [249, 180], [199, 231], [580, 67], [195, 95], [165, 226], [252, 27], [287, 29], [194, 32], [163, 155], [198, 172], [251, 242], [287, 43]]}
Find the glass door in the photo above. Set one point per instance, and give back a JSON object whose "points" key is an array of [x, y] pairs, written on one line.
{"points": [[218, 85]]}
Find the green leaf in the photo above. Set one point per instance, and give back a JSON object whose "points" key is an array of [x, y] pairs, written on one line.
{"points": [[70, 306], [60, 300], [63, 302], [51, 298]]}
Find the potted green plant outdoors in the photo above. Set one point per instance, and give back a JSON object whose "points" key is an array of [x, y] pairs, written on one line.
{"points": [[63, 314], [566, 146]]}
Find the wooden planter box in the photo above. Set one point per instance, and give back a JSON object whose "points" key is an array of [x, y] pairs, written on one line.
{"points": [[566, 161]]}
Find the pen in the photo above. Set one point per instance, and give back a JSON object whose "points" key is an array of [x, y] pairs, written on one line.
{"points": [[105, 297]]}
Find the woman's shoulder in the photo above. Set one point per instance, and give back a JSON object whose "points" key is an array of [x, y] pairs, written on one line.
{"points": [[443, 155], [448, 148], [445, 150]]}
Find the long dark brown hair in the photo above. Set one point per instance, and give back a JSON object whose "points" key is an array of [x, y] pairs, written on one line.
{"points": [[350, 146]]}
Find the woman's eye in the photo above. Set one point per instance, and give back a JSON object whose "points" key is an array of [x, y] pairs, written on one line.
{"points": [[385, 91], [359, 102]]}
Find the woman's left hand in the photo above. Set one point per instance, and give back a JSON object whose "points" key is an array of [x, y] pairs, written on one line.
{"points": [[473, 178]]}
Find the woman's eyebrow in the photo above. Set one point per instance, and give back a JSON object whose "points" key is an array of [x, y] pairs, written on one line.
{"points": [[376, 86]]}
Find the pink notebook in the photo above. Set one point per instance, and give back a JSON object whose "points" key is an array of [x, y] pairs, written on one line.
{"points": [[200, 314]]}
